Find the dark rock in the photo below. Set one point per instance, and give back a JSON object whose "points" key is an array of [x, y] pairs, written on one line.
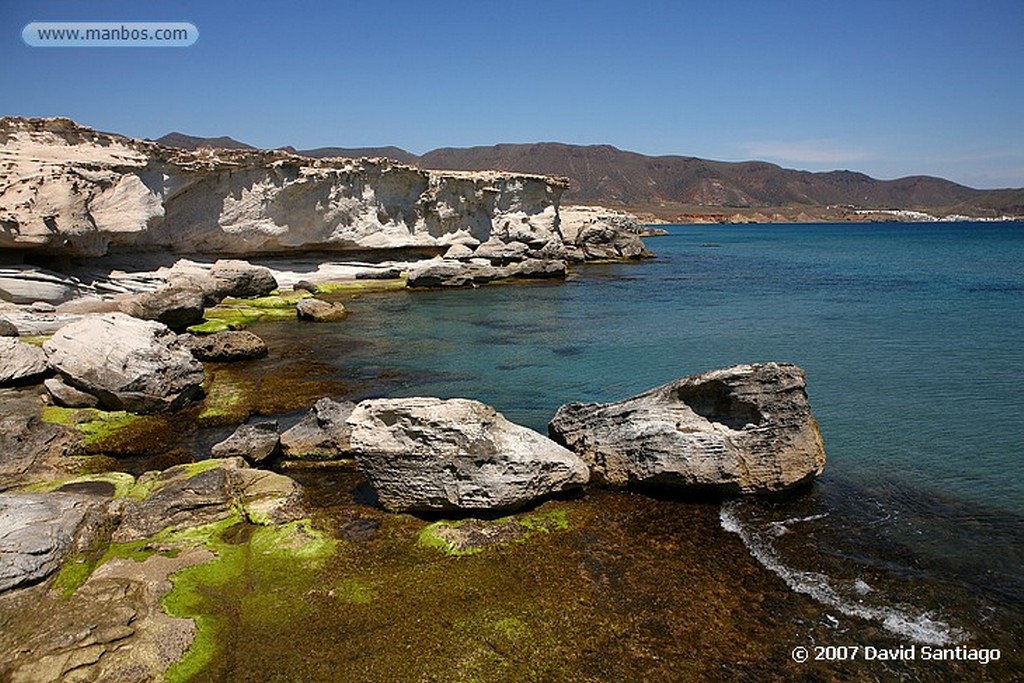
{"points": [[7, 328], [318, 310], [744, 429], [452, 274], [428, 454], [257, 443], [127, 363], [242, 279], [322, 434], [20, 362], [175, 305], [228, 346]]}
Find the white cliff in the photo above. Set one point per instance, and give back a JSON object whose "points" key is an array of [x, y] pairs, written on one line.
{"points": [[69, 190]]}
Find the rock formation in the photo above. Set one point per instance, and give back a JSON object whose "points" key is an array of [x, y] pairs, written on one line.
{"points": [[744, 429], [72, 191], [429, 454], [128, 364]]}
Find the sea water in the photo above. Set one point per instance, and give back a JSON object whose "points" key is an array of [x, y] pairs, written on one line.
{"points": [[912, 338]]}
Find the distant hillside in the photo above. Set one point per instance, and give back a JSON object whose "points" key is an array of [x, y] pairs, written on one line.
{"points": [[396, 153], [192, 143], [603, 174], [673, 186]]}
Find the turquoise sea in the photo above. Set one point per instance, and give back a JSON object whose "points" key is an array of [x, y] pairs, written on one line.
{"points": [[912, 337]]}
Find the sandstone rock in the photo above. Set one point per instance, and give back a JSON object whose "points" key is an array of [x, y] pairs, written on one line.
{"points": [[207, 491], [538, 269], [68, 396], [390, 273], [38, 531], [7, 328], [242, 279], [426, 454], [228, 346], [256, 442], [175, 305], [323, 433], [500, 253], [25, 284], [71, 191], [20, 362], [458, 252], [594, 233], [318, 310], [127, 363], [452, 274], [743, 429]]}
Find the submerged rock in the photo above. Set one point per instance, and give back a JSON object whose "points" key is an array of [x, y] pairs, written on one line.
{"points": [[39, 530], [320, 311], [323, 433], [128, 364], [228, 346], [429, 454], [20, 362], [743, 429]]}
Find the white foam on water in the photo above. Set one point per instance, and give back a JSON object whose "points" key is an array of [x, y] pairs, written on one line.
{"points": [[901, 620]]}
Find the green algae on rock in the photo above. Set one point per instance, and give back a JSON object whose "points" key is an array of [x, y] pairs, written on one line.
{"points": [[253, 580], [471, 536]]}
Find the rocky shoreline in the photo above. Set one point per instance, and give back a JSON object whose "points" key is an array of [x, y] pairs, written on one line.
{"points": [[438, 524]]}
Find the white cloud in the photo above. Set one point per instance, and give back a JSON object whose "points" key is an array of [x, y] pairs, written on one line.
{"points": [[804, 152]]}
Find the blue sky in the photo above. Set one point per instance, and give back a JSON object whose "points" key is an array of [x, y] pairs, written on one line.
{"points": [[889, 88]]}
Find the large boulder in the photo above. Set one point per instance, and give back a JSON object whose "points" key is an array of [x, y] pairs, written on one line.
{"points": [[207, 491], [20, 362], [323, 434], [744, 429], [127, 363], [429, 454], [39, 530], [444, 273], [25, 284], [175, 305]]}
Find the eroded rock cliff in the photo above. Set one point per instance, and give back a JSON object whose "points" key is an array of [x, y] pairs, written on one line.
{"points": [[72, 191]]}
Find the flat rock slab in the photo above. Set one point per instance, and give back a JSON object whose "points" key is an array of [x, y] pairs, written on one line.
{"points": [[19, 361], [429, 454], [37, 532], [743, 429]]}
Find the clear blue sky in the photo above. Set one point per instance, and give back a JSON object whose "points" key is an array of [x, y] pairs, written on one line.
{"points": [[891, 88]]}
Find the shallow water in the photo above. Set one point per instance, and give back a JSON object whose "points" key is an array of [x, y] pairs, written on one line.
{"points": [[912, 337]]}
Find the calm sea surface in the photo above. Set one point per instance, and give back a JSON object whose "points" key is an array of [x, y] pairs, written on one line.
{"points": [[912, 337]]}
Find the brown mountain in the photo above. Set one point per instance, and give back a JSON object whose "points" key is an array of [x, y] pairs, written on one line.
{"points": [[680, 186], [603, 174]]}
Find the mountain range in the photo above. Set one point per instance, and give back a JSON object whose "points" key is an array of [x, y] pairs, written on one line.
{"points": [[689, 188]]}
